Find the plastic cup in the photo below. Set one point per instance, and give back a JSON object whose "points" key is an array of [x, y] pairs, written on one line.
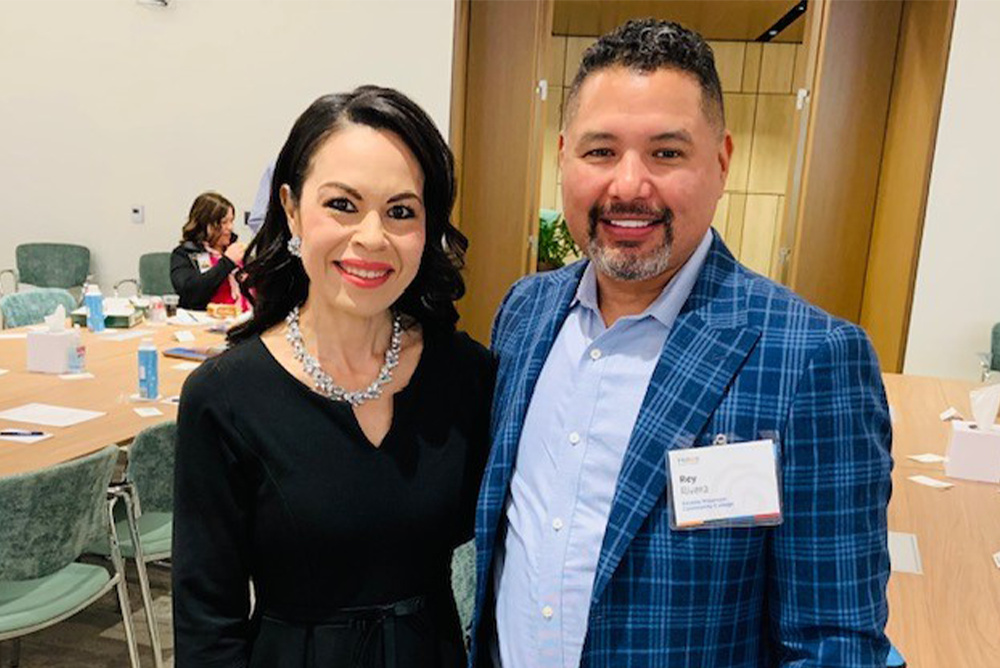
{"points": [[171, 302]]}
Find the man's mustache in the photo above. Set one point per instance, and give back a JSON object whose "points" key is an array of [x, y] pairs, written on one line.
{"points": [[659, 215]]}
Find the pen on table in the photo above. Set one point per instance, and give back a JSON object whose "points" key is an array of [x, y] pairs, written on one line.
{"points": [[20, 432]]}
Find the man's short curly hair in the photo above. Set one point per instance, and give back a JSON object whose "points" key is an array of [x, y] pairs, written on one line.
{"points": [[647, 45]]}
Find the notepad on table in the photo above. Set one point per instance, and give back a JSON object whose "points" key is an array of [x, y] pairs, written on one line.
{"points": [[47, 414]]}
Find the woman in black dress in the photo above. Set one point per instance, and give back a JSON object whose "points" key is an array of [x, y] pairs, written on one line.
{"points": [[332, 455]]}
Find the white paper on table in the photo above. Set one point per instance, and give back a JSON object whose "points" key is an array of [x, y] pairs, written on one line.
{"points": [[996, 559], [184, 336], [47, 414], [26, 439], [985, 402], [188, 317], [147, 412], [129, 334], [3, 371], [118, 306], [76, 376], [930, 482], [928, 458], [13, 335], [904, 554], [951, 414], [186, 366]]}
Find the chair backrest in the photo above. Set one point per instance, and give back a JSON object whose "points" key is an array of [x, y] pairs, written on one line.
{"points": [[463, 581], [31, 307], [151, 466], [995, 348], [48, 516], [53, 265], [154, 274]]}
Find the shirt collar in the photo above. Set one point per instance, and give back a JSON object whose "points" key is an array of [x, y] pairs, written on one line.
{"points": [[671, 299]]}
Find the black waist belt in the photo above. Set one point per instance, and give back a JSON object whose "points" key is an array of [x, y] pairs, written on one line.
{"points": [[368, 622]]}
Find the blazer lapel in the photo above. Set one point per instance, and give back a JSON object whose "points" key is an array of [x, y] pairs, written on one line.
{"points": [[706, 347]]}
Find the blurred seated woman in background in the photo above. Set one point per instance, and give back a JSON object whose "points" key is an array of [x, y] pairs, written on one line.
{"points": [[203, 268], [332, 455]]}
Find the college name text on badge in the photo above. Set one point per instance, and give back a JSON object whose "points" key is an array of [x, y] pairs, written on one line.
{"points": [[735, 484]]}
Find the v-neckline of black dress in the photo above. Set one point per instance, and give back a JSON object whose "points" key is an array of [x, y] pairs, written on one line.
{"points": [[400, 409]]}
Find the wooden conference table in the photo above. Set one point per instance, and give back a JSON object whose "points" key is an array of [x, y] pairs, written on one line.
{"points": [[948, 617], [115, 368]]}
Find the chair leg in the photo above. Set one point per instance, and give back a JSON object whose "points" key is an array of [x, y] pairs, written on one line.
{"points": [[122, 587], [14, 660], [140, 564]]}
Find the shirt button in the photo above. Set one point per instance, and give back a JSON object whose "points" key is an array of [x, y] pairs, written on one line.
{"points": [[595, 354], [574, 438], [547, 612], [557, 524]]}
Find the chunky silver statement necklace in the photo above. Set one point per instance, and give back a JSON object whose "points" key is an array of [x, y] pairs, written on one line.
{"points": [[321, 379]]}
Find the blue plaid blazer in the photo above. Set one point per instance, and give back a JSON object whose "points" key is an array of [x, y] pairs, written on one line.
{"points": [[745, 357]]}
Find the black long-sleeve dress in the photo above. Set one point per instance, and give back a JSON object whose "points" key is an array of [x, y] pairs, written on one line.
{"points": [[278, 484]]}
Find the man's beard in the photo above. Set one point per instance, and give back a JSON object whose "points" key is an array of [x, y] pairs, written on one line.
{"points": [[618, 262]]}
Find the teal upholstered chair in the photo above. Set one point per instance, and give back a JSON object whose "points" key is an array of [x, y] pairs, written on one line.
{"points": [[31, 307], [145, 521], [154, 274], [53, 265], [463, 583], [990, 362], [47, 517]]}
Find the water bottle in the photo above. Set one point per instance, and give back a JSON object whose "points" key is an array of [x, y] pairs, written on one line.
{"points": [[94, 301], [77, 362], [149, 381]]}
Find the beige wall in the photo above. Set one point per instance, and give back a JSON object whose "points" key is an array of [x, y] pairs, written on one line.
{"points": [[110, 103], [957, 294], [758, 83]]}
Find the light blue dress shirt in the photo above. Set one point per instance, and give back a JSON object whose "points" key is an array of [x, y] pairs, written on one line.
{"points": [[575, 434], [259, 209]]}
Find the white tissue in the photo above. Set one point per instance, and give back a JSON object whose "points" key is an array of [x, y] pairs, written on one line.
{"points": [[985, 402], [57, 321]]}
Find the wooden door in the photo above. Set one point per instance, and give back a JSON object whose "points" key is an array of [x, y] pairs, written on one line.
{"points": [[501, 147], [829, 215], [904, 180]]}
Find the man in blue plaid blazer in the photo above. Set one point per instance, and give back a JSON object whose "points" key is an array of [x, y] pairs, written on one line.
{"points": [[661, 340]]}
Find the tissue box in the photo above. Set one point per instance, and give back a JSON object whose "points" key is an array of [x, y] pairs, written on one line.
{"points": [[48, 352], [973, 453]]}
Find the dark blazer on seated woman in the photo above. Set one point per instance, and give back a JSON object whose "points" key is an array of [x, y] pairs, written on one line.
{"points": [[202, 268], [194, 281]]}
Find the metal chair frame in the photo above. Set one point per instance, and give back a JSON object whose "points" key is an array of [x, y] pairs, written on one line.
{"points": [[127, 492], [117, 581]]}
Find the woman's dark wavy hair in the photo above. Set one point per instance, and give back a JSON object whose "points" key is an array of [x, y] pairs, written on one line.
{"points": [[206, 215], [275, 281]]}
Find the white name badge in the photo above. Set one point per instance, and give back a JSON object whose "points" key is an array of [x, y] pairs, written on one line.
{"points": [[204, 262], [724, 485]]}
